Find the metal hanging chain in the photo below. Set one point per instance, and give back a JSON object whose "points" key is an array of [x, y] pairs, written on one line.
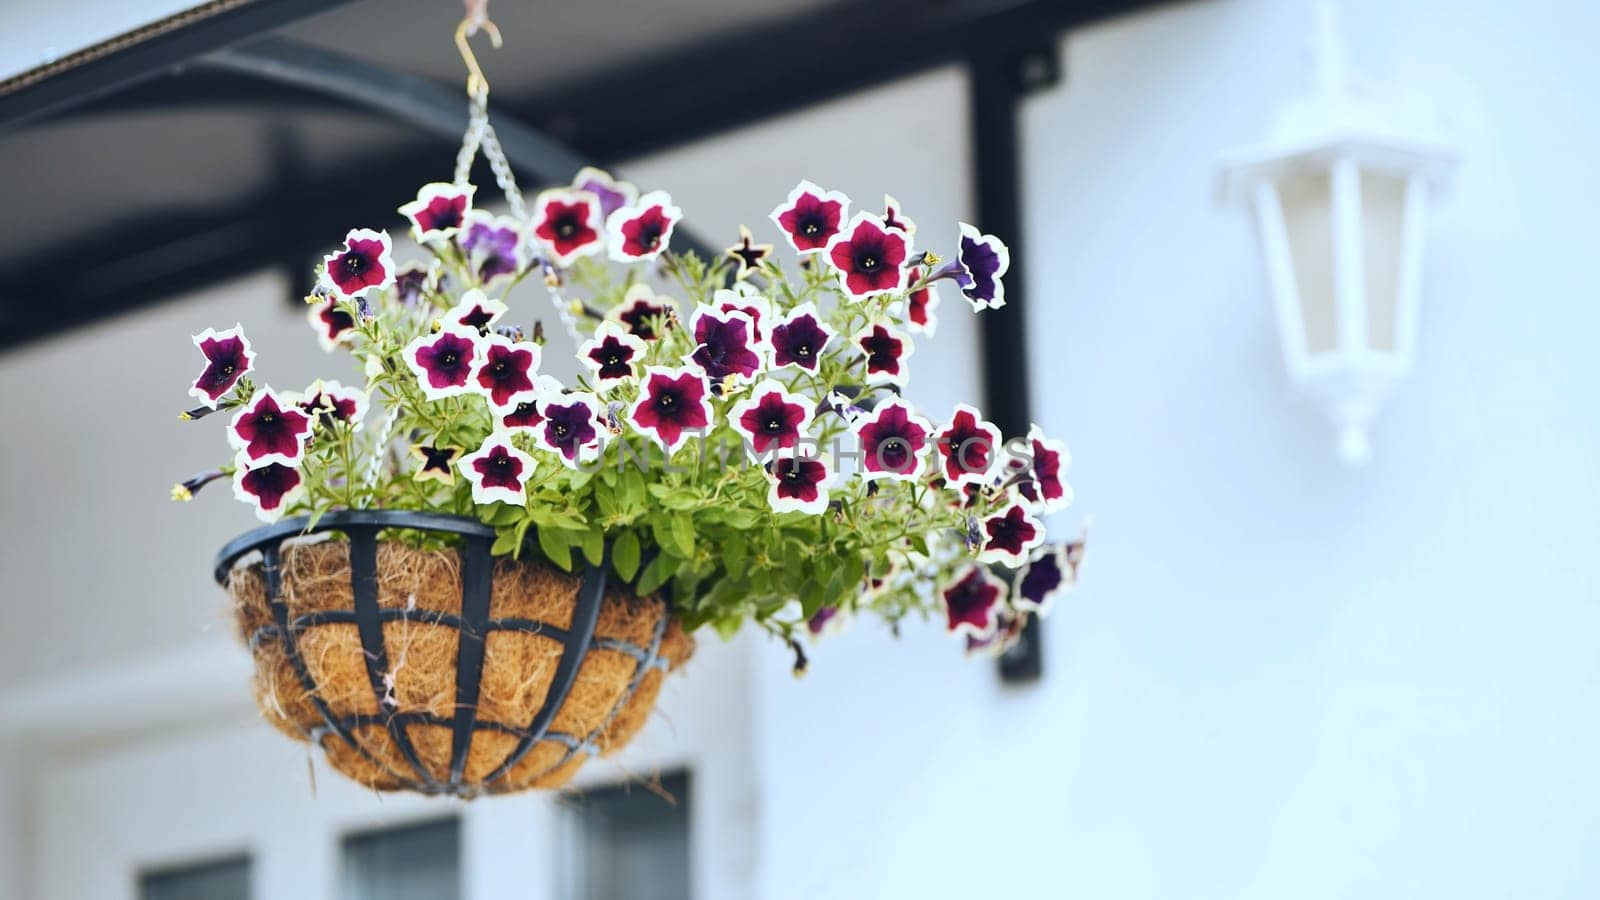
{"points": [[480, 134]]}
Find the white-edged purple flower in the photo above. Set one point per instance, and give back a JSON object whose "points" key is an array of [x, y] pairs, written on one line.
{"points": [[641, 231], [475, 310], [269, 488], [439, 210], [568, 225], [414, 282], [771, 419], [612, 194], [1051, 572], [1007, 631], [725, 345], [895, 218], [269, 430], [887, 351], [968, 447], [497, 471], [869, 258], [365, 262], [644, 312], [1009, 537], [493, 245], [811, 216], [977, 269], [228, 358], [972, 602], [435, 463], [798, 484], [573, 428], [327, 402], [920, 304], [332, 322], [1040, 479], [894, 442], [505, 371], [746, 299], [524, 415], [800, 339], [444, 362], [672, 404], [613, 354]]}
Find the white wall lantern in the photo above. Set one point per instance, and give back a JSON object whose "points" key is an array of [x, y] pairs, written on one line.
{"points": [[1340, 192]]}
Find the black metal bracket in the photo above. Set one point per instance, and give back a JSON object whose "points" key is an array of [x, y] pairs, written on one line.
{"points": [[1000, 81]]}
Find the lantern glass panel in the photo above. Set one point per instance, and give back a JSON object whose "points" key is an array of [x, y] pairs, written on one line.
{"points": [[1383, 243], [1307, 216]]}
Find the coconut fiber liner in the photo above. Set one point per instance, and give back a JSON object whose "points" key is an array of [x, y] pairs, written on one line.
{"points": [[396, 721]]}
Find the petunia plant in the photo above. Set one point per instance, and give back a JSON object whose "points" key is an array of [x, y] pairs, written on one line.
{"points": [[737, 436]]}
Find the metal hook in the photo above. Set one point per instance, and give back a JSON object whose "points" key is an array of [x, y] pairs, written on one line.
{"points": [[477, 84]]}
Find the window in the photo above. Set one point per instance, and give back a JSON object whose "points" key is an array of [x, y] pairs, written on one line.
{"points": [[227, 879], [627, 843], [416, 862]]}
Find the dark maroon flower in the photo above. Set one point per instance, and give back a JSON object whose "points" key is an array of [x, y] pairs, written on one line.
{"points": [[185, 490], [1007, 631], [977, 268], [1009, 536], [672, 404], [771, 419], [437, 463], [1052, 571], [493, 245], [968, 447], [444, 362], [824, 620], [568, 224], [267, 430], [643, 231], [439, 210], [869, 257], [800, 339], [327, 402], [745, 299], [498, 471], [269, 488], [811, 216], [893, 442], [613, 353], [505, 374], [725, 346], [642, 311], [1037, 472], [413, 282], [364, 263], [748, 255], [972, 602], [894, 219], [798, 484], [333, 324], [228, 358], [573, 428], [612, 194], [523, 416], [920, 304], [887, 351], [476, 311]]}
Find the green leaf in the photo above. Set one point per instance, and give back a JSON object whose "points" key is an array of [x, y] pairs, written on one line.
{"points": [[505, 542], [734, 552], [505, 514], [593, 542], [625, 555], [656, 574], [683, 535], [555, 546]]}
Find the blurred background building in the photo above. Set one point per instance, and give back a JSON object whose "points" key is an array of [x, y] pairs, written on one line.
{"points": [[1283, 676]]}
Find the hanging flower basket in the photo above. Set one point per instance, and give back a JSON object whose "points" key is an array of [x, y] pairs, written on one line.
{"points": [[443, 670]]}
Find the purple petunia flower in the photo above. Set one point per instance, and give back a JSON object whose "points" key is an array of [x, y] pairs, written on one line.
{"points": [[643, 311], [642, 231], [747, 255], [810, 217], [268, 430], [439, 210], [895, 219], [920, 304], [869, 257], [1038, 477], [725, 346], [436, 463], [573, 428], [968, 447], [613, 353], [977, 268], [334, 326], [611, 193], [567, 224], [1009, 536], [771, 419], [364, 263], [1007, 631], [887, 351], [801, 339], [444, 362], [327, 402], [505, 371], [1052, 571], [798, 484], [497, 471], [972, 602], [269, 488], [228, 358], [412, 283], [893, 442], [493, 245], [476, 310], [672, 403], [826, 620]]}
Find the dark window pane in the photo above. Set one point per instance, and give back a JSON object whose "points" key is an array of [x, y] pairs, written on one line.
{"points": [[628, 843], [225, 880], [417, 862]]}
